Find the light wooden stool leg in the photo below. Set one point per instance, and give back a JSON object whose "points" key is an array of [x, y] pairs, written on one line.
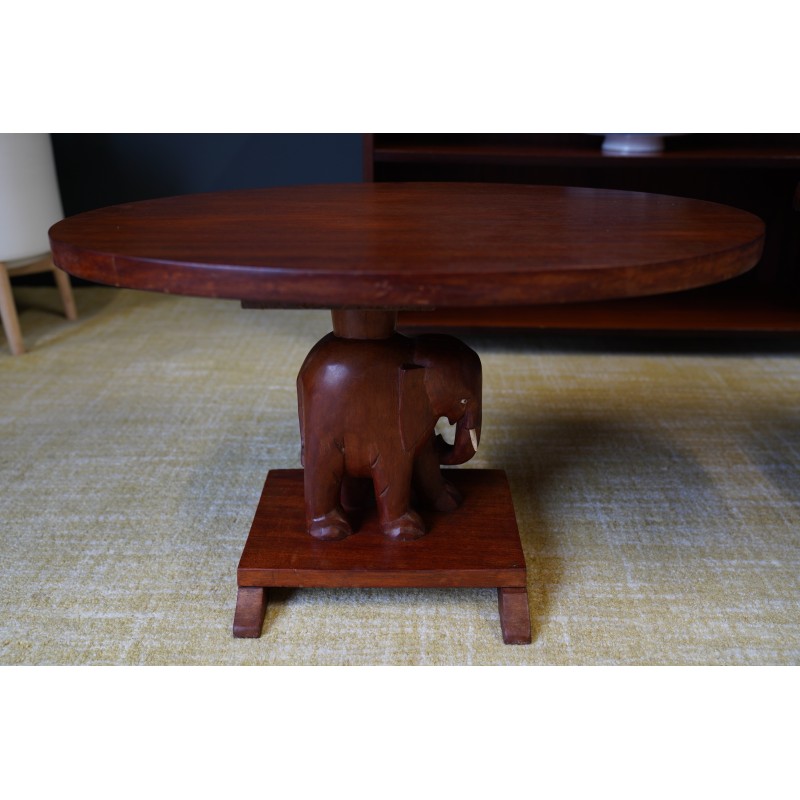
{"points": [[8, 313], [65, 290]]}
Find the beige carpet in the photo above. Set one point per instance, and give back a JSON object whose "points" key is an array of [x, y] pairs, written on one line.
{"points": [[657, 489]]}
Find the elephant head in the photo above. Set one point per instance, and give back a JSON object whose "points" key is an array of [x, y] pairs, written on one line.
{"points": [[451, 380]]}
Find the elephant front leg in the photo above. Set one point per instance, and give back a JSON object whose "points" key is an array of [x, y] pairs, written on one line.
{"points": [[322, 479], [392, 482]]}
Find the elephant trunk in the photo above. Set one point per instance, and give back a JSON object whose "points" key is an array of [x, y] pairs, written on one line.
{"points": [[467, 438]]}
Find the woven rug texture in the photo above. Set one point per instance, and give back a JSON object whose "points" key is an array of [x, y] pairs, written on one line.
{"points": [[656, 485]]}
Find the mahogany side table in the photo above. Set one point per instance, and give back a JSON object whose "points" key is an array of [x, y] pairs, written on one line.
{"points": [[365, 251]]}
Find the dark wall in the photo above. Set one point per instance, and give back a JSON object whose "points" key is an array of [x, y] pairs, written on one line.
{"points": [[100, 169]]}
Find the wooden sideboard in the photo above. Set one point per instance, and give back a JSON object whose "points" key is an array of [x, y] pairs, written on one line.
{"points": [[759, 173]]}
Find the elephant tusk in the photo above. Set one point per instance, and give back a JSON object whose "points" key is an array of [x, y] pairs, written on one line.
{"points": [[446, 430], [474, 439]]}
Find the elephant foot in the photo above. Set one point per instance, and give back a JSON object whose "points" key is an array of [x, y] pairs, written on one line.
{"points": [[409, 526], [449, 499], [330, 527]]}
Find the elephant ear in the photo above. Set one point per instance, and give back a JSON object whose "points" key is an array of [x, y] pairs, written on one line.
{"points": [[415, 412]]}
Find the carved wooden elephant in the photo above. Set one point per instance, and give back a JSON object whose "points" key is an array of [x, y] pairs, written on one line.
{"points": [[368, 409]]}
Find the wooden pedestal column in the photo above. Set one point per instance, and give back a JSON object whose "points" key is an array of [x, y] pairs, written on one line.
{"points": [[369, 400]]}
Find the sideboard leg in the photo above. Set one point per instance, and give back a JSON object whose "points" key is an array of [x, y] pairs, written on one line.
{"points": [[515, 615], [251, 606]]}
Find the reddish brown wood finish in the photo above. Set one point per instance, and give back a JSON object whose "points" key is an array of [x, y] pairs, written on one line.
{"points": [[365, 251], [358, 323], [251, 606], [515, 615], [368, 408], [411, 245], [477, 545]]}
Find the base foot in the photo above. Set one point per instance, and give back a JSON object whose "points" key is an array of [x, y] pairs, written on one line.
{"points": [[515, 615], [476, 545], [251, 606]]}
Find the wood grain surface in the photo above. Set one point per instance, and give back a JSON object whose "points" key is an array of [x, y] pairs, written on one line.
{"points": [[410, 245], [477, 545]]}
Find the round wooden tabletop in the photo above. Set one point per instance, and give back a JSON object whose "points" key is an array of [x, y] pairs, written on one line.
{"points": [[410, 245]]}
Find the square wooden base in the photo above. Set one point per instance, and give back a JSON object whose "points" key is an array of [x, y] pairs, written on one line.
{"points": [[477, 545]]}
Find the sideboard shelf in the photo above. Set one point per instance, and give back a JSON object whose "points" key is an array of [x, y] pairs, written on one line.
{"points": [[756, 172]]}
